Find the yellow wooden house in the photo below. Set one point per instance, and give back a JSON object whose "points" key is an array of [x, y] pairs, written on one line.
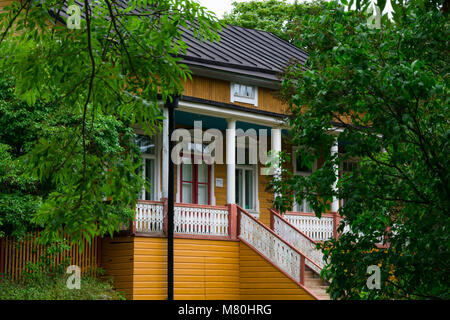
{"points": [[229, 242]]}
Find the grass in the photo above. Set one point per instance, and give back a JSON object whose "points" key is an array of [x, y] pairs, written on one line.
{"points": [[53, 287]]}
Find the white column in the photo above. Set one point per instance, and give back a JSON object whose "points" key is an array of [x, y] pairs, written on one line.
{"points": [[231, 156], [334, 151], [276, 140], [165, 154], [276, 148]]}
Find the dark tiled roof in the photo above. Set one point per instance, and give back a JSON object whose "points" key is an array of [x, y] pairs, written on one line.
{"points": [[260, 52], [240, 50]]}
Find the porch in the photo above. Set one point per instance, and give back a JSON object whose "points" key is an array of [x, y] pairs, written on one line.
{"points": [[220, 205], [213, 242], [218, 222], [220, 160]]}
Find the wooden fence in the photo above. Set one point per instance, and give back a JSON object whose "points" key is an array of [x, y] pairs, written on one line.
{"points": [[14, 255]]}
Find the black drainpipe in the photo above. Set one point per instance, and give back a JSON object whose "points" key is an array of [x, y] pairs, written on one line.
{"points": [[171, 105]]}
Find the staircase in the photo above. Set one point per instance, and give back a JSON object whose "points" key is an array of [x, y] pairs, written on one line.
{"points": [[287, 248], [316, 285], [307, 246]]}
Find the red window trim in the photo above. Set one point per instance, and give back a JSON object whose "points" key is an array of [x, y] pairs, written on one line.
{"points": [[195, 182]]}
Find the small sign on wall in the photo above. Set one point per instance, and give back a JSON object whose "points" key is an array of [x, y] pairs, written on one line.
{"points": [[219, 182]]}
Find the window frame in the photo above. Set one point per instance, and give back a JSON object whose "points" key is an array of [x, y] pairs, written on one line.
{"points": [[294, 165], [254, 169], [156, 157], [341, 173], [237, 98], [296, 206], [194, 182]]}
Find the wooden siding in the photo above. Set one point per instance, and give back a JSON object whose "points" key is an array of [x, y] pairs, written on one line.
{"points": [[150, 268], [117, 261], [4, 3], [204, 269], [220, 193], [207, 270], [260, 280], [219, 90]]}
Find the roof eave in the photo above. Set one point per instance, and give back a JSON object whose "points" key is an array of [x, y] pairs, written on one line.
{"points": [[260, 79]]}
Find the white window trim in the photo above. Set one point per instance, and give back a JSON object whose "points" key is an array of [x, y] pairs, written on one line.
{"points": [[296, 206], [158, 153], [253, 101], [254, 169], [144, 157]]}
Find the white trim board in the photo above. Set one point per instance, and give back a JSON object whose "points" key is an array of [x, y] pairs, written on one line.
{"points": [[219, 112]]}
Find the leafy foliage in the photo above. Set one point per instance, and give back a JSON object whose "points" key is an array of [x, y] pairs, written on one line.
{"points": [[55, 288], [93, 84], [276, 16], [38, 133], [18, 198], [387, 91]]}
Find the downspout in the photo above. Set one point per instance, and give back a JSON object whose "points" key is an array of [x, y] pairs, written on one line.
{"points": [[170, 104]]}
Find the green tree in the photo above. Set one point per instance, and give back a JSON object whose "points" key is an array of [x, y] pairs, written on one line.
{"points": [[23, 128], [387, 91], [276, 16], [100, 79]]}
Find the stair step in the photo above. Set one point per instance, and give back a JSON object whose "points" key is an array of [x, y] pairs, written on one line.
{"points": [[322, 295], [324, 288], [312, 284]]}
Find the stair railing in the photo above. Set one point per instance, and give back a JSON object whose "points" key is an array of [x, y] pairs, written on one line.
{"points": [[298, 240], [274, 248]]}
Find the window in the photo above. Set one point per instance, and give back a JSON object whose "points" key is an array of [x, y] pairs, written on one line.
{"points": [[195, 183], [303, 170], [347, 166], [299, 167], [148, 152], [303, 207], [195, 175], [244, 93], [246, 180], [245, 188]]}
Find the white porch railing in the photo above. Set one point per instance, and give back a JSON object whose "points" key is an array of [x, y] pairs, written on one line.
{"points": [[189, 219], [270, 245], [317, 229], [149, 216], [201, 220], [299, 241]]}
